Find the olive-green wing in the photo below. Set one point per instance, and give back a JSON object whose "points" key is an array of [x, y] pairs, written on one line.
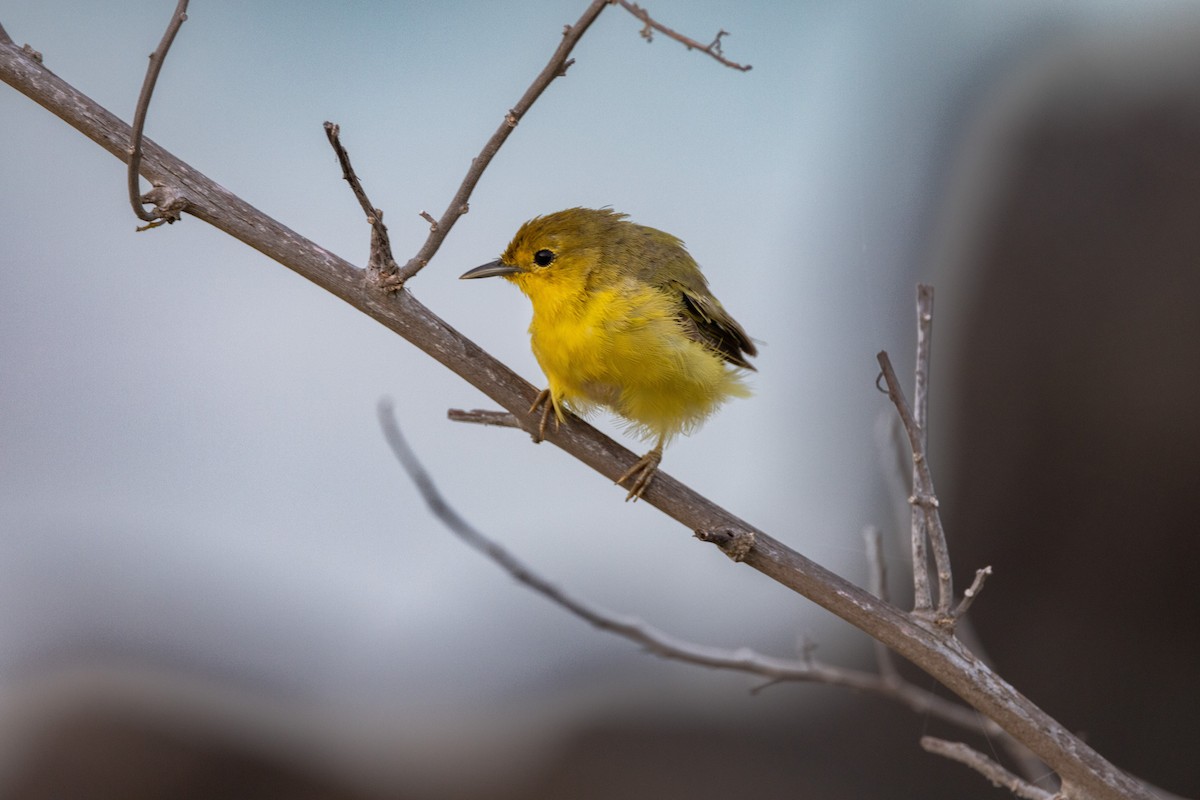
{"points": [[665, 263], [708, 322]]}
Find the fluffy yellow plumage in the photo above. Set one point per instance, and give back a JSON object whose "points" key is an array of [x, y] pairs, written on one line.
{"points": [[623, 318]]}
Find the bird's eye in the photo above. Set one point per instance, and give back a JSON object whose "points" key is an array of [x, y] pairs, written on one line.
{"points": [[543, 257]]}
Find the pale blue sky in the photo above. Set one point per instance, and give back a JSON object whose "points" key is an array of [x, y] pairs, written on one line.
{"points": [[191, 473]]}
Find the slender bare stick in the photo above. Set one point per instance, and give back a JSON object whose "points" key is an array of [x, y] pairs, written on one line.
{"points": [[922, 595], [555, 68], [713, 48], [139, 120], [998, 775], [660, 643], [878, 571], [937, 536], [972, 592], [380, 261], [635, 630]]}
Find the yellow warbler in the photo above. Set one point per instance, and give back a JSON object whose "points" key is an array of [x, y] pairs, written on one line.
{"points": [[623, 318]]}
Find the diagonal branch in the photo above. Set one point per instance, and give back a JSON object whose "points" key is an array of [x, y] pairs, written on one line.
{"points": [[635, 630], [887, 683], [555, 68]]}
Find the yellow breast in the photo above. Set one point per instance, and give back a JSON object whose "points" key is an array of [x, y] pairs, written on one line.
{"points": [[624, 347]]}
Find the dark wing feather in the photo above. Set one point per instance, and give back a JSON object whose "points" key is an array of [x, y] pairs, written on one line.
{"points": [[708, 322], [664, 263]]}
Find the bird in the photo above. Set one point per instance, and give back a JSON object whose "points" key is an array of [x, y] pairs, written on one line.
{"points": [[623, 319]]}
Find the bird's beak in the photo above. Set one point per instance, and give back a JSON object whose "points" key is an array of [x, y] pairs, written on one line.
{"points": [[490, 269]]}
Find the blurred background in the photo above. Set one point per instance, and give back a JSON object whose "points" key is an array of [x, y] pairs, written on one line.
{"points": [[216, 581]]}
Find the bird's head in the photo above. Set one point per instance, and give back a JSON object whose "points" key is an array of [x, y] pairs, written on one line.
{"points": [[560, 251]]}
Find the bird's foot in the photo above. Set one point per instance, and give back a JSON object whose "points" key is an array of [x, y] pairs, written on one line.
{"points": [[546, 403], [642, 472]]}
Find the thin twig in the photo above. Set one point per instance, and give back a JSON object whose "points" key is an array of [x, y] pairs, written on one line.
{"points": [[479, 416], [972, 592], [998, 775], [713, 48], [660, 643], [4, 37], [922, 595], [878, 586], [459, 205], [894, 463], [139, 121], [937, 537], [630, 628], [380, 261]]}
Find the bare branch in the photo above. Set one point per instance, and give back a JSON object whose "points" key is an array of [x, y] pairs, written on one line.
{"points": [[555, 68], [660, 643], [923, 497], [4, 37], [635, 630], [380, 262], [895, 464], [937, 537], [139, 122], [998, 775], [878, 586], [713, 48], [922, 596]]}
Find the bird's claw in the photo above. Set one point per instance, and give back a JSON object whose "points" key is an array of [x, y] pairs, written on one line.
{"points": [[642, 472], [546, 403]]}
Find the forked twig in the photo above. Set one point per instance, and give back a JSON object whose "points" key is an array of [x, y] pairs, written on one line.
{"points": [[924, 498], [713, 48], [380, 261]]}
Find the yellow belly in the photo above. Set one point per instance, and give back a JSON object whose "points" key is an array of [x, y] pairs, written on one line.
{"points": [[624, 348]]}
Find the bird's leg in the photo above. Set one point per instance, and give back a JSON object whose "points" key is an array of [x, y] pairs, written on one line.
{"points": [[642, 472], [546, 403]]}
